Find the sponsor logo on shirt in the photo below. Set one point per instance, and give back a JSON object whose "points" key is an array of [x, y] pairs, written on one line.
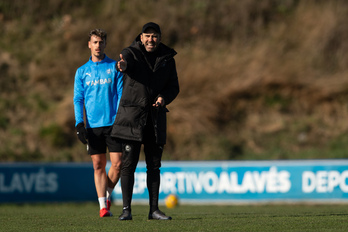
{"points": [[99, 82]]}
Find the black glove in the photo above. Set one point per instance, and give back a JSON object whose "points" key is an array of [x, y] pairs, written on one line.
{"points": [[81, 132]]}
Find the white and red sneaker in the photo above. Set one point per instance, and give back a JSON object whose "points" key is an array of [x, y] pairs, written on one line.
{"points": [[104, 212]]}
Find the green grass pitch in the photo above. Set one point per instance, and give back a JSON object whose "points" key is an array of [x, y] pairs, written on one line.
{"points": [[85, 217]]}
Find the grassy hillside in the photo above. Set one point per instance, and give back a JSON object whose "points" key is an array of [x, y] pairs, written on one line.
{"points": [[259, 79]]}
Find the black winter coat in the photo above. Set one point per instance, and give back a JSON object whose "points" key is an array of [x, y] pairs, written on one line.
{"points": [[142, 85]]}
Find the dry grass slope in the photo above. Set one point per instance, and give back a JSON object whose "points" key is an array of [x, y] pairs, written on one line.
{"points": [[259, 79]]}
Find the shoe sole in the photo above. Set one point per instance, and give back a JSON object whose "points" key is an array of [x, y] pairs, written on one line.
{"points": [[151, 218], [125, 219], [110, 215]]}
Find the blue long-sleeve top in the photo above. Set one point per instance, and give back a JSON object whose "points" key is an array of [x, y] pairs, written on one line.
{"points": [[97, 90]]}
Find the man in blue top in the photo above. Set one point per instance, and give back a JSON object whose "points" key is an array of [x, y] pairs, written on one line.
{"points": [[97, 93]]}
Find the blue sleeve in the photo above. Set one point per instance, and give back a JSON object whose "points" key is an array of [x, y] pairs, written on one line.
{"points": [[119, 78], [78, 98]]}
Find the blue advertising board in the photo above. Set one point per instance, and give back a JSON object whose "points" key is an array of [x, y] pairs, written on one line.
{"points": [[46, 182], [192, 181], [248, 181]]}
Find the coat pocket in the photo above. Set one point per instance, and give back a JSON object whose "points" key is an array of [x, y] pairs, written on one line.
{"points": [[133, 115]]}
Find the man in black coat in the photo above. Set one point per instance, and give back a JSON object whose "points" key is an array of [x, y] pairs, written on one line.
{"points": [[150, 84]]}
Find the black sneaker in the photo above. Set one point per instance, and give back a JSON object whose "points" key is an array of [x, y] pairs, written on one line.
{"points": [[159, 215], [126, 215]]}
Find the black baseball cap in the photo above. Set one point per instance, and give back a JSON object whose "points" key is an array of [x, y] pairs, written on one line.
{"points": [[151, 25]]}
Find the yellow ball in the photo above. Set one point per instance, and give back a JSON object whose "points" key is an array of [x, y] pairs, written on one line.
{"points": [[171, 201]]}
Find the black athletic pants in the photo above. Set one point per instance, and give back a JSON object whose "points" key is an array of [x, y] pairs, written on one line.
{"points": [[153, 155]]}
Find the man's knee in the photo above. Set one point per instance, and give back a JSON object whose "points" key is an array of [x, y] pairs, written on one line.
{"points": [[99, 162], [153, 171], [116, 160], [116, 166]]}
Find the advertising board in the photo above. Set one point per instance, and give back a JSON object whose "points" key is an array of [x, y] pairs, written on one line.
{"points": [[192, 181]]}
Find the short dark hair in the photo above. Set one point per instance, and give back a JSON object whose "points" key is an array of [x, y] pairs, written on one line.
{"points": [[97, 32]]}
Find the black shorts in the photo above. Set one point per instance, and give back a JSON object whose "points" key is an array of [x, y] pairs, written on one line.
{"points": [[99, 139]]}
